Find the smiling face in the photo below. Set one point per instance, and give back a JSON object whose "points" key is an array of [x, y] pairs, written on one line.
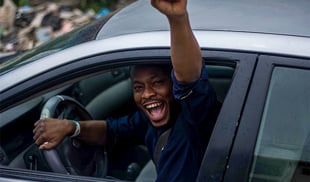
{"points": [[152, 90]]}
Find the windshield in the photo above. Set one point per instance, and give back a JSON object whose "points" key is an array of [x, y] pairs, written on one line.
{"points": [[37, 53], [75, 37], [41, 51]]}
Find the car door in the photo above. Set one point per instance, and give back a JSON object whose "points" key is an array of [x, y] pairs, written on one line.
{"points": [[272, 142], [214, 163]]}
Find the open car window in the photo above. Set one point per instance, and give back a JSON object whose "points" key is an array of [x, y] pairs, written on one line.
{"points": [[105, 94]]}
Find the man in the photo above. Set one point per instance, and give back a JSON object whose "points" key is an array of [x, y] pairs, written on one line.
{"points": [[181, 102]]}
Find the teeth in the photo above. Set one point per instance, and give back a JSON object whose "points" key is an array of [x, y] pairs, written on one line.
{"points": [[151, 106]]}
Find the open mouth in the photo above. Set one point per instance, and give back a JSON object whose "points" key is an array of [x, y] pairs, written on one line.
{"points": [[155, 111]]}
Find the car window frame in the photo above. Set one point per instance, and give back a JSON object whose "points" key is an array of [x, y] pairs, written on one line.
{"points": [[223, 133], [241, 158], [76, 69], [244, 63]]}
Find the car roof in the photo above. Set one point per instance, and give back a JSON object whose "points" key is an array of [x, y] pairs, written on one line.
{"points": [[285, 17], [214, 29]]}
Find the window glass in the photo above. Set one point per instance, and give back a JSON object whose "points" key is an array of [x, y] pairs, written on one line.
{"points": [[282, 151]]}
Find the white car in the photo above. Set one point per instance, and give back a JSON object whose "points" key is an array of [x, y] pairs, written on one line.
{"points": [[257, 53]]}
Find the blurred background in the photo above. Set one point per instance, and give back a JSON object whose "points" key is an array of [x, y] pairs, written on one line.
{"points": [[25, 24]]}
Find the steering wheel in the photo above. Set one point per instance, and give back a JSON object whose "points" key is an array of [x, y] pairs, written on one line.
{"points": [[72, 156]]}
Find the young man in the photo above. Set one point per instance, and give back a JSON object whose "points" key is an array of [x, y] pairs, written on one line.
{"points": [[181, 102]]}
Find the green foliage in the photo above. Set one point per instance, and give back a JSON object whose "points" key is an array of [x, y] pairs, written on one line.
{"points": [[96, 4], [22, 2], [17, 2]]}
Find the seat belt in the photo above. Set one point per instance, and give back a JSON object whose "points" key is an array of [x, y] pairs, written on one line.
{"points": [[161, 143]]}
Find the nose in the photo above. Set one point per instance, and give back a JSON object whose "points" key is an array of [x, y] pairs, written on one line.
{"points": [[148, 92]]}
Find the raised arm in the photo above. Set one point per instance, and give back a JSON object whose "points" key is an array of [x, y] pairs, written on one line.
{"points": [[185, 51]]}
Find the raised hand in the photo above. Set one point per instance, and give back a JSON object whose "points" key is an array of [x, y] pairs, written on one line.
{"points": [[171, 8]]}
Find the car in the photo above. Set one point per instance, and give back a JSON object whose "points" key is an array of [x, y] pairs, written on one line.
{"points": [[7, 56], [257, 54]]}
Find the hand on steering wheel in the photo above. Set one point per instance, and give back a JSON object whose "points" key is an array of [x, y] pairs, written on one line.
{"points": [[70, 156]]}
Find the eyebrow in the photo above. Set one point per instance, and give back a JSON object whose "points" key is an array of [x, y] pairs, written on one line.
{"points": [[151, 77]]}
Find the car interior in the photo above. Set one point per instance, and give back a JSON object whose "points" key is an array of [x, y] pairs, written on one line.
{"points": [[107, 94]]}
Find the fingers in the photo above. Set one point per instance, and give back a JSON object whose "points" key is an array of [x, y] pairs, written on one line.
{"points": [[48, 133], [40, 139], [40, 135], [171, 8], [38, 128], [44, 146], [47, 145]]}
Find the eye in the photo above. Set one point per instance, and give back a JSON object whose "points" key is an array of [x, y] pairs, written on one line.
{"points": [[138, 88], [158, 83]]}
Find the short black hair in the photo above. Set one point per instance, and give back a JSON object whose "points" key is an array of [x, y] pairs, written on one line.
{"points": [[165, 67]]}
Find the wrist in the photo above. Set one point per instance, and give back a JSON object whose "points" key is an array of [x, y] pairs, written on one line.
{"points": [[179, 22], [76, 128], [178, 18]]}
